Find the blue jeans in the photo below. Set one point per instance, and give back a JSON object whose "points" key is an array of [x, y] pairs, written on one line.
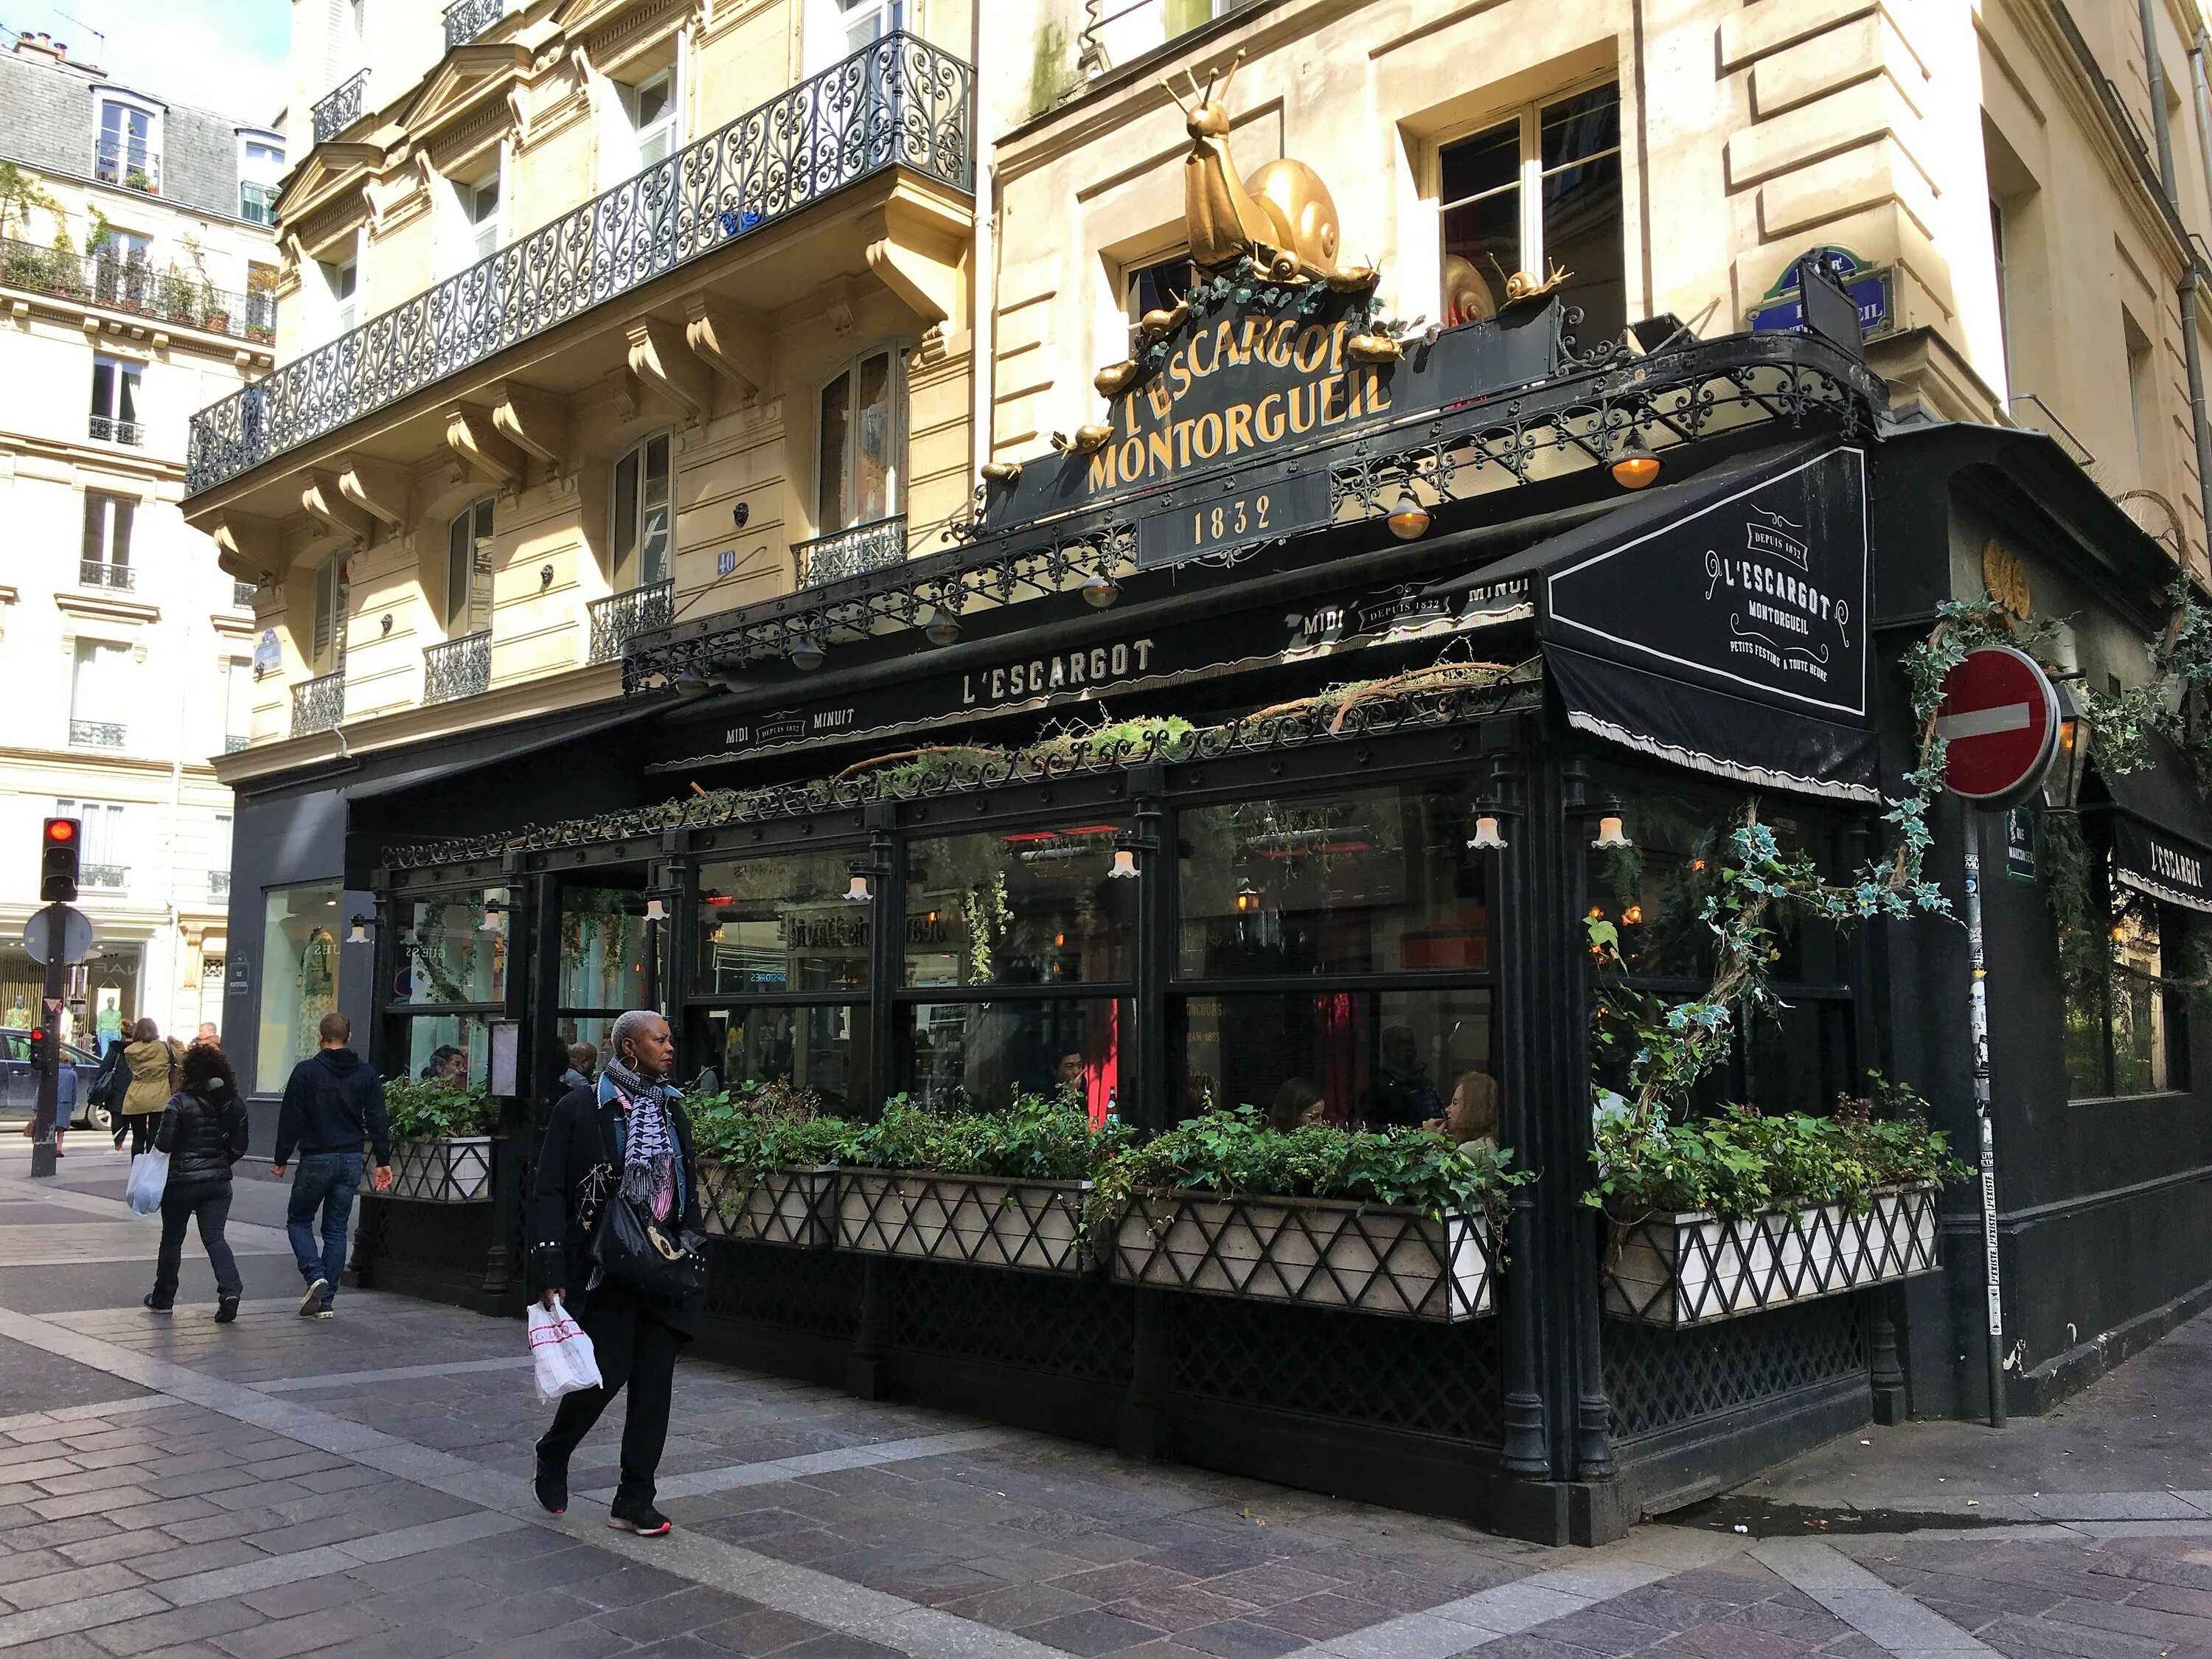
{"points": [[327, 1181]]}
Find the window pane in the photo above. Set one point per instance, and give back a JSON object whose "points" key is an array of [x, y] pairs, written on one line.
{"points": [[1373, 1058], [1582, 208], [458, 539], [834, 460], [95, 528], [1365, 882], [1480, 192], [123, 507], [981, 1054], [446, 956], [1156, 287], [1577, 128], [874, 435], [626, 517], [299, 976], [103, 387], [602, 949], [654, 524], [127, 389], [823, 1048], [1034, 907], [432, 1043], [780, 924]]}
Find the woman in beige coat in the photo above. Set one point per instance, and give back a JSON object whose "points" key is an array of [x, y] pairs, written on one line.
{"points": [[155, 1064]]}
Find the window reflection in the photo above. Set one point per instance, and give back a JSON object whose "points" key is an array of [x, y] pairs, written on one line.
{"points": [[447, 955], [823, 1048], [603, 942], [1031, 907], [979, 1055], [780, 924], [454, 1048]]}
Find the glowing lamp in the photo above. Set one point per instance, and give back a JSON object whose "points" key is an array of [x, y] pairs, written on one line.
{"points": [[856, 890], [1488, 837], [1637, 466], [1124, 866], [655, 910], [1409, 520], [1610, 833], [1101, 591]]}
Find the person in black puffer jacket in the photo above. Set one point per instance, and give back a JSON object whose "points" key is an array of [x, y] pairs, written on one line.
{"points": [[204, 1131]]}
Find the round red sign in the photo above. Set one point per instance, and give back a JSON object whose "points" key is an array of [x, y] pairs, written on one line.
{"points": [[1999, 720]]}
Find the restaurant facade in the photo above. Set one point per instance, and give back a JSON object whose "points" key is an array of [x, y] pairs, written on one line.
{"points": [[1283, 727]]}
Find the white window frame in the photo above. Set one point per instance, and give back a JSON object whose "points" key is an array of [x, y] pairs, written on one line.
{"points": [[328, 591], [469, 545], [118, 98], [343, 309], [238, 694], [481, 224], [126, 384], [656, 140], [894, 440], [266, 172], [629, 563], [103, 830], [111, 544], [109, 699]]}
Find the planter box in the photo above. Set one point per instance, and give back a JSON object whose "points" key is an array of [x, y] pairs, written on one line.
{"points": [[456, 1172], [1690, 1268], [1324, 1253], [785, 1207], [980, 1221]]}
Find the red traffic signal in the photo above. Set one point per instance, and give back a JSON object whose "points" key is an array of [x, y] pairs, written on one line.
{"points": [[58, 858]]}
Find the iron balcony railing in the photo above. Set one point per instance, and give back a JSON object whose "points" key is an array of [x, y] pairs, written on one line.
{"points": [[457, 668], [343, 106], [898, 102], [235, 743], [130, 163], [96, 734], [318, 704], [218, 882], [620, 617], [98, 573], [134, 287], [241, 596], [109, 430], [113, 877], [257, 203], [853, 552], [467, 19]]}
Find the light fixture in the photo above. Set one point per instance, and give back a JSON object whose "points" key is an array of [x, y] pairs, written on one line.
{"points": [[856, 890], [1248, 899], [1101, 590], [1124, 866], [693, 683], [1633, 915], [357, 930], [1610, 834], [2069, 762], [1487, 837], [716, 936], [655, 910], [493, 922], [1636, 466], [806, 656], [1409, 520], [943, 627]]}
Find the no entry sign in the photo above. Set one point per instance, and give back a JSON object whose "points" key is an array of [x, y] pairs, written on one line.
{"points": [[1999, 721]]}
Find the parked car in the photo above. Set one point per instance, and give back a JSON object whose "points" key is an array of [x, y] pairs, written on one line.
{"points": [[19, 1084]]}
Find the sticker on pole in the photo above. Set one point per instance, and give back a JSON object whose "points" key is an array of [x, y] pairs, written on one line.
{"points": [[1999, 723]]}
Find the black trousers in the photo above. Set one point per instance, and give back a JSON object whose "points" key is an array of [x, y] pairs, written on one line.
{"points": [[141, 1126], [636, 1347], [211, 1207]]}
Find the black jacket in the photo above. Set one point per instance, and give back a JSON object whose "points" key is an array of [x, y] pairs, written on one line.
{"points": [[203, 1132], [112, 1080], [333, 1103], [582, 1138]]}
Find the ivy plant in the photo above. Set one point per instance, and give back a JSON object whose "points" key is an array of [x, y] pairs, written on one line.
{"points": [[1037, 1138], [418, 1110]]}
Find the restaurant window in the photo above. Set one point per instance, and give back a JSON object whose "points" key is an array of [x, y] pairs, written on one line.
{"points": [[1538, 191], [468, 570], [856, 468], [2127, 1033], [1333, 956], [453, 959], [643, 515], [1020, 949], [299, 976], [604, 943]]}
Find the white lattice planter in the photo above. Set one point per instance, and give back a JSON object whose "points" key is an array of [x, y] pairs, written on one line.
{"points": [[1324, 1253], [978, 1221], [452, 1171], [790, 1207], [1690, 1268]]}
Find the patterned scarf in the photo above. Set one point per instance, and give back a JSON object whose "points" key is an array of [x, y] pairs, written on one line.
{"points": [[649, 1148]]}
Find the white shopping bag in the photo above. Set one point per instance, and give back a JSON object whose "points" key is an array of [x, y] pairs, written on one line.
{"points": [[562, 1351], [149, 1174]]}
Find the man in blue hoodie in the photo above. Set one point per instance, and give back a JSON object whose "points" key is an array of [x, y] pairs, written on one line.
{"points": [[332, 1104]]}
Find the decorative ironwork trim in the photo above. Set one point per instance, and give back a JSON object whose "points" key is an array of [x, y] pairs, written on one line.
{"points": [[790, 1207], [977, 1220], [455, 1171]]}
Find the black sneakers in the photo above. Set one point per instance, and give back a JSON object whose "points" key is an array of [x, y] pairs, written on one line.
{"points": [[645, 1522], [551, 1486], [226, 1309], [153, 1304]]}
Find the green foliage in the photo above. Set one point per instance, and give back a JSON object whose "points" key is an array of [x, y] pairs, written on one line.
{"points": [[1233, 1151], [1038, 1137], [21, 192], [1737, 1163], [421, 1111], [755, 1129]]}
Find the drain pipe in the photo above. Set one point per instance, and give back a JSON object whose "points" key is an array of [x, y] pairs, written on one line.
{"points": [[2192, 286]]}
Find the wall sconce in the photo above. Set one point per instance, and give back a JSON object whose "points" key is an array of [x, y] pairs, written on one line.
{"points": [[806, 656], [1248, 899], [2069, 762], [357, 930], [1611, 832], [655, 909], [857, 890], [943, 627], [1488, 837], [1101, 591], [494, 920], [1409, 520], [1636, 466], [1124, 864]]}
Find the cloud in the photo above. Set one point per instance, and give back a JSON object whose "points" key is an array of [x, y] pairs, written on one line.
{"points": [[224, 55]]}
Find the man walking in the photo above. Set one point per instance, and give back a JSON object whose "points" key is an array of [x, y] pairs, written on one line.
{"points": [[332, 1103]]}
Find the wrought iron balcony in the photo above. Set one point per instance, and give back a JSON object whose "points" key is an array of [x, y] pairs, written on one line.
{"points": [[109, 430], [898, 102], [257, 203], [467, 19], [134, 287], [318, 704], [97, 572], [457, 668], [235, 743], [341, 107], [96, 734], [218, 882], [112, 877], [852, 552], [620, 617], [130, 163], [241, 596]]}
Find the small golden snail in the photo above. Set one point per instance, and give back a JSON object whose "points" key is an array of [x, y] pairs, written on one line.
{"points": [[1087, 440], [1157, 325], [1003, 472], [1111, 379], [1373, 348]]}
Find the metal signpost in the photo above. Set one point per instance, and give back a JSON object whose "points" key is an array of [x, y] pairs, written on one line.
{"points": [[54, 937]]}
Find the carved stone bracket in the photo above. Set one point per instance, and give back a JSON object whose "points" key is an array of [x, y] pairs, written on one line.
{"points": [[736, 347], [661, 356], [249, 549], [535, 420], [325, 502], [477, 445], [378, 488]]}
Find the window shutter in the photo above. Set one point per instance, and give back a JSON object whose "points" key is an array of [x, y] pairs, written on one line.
{"points": [[118, 551], [95, 504]]}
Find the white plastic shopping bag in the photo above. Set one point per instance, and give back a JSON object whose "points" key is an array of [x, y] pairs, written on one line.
{"points": [[149, 1174], [562, 1351]]}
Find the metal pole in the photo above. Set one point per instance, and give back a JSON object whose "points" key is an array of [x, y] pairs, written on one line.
{"points": [[48, 1058], [1978, 1006]]}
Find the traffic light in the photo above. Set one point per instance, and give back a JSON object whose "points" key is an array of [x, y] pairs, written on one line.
{"points": [[58, 855]]}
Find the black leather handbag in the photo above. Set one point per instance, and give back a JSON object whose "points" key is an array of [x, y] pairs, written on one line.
{"points": [[653, 1259]]}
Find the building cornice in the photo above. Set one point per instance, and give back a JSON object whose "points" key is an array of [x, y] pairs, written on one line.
{"points": [[105, 607]]}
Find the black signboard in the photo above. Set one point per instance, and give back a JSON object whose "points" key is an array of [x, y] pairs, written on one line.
{"points": [[1258, 512], [1761, 592], [2019, 844], [2163, 866]]}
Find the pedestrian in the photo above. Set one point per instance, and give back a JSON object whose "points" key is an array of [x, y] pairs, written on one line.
{"points": [[632, 1123], [204, 1131], [153, 1061], [583, 1061], [108, 1084], [64, 1105], [447, 1064], [332, 1103], [207, 1038]]}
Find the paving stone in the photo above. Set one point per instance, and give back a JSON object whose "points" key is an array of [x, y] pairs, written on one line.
{"points": [[142, 1636], [1095, 1631]]}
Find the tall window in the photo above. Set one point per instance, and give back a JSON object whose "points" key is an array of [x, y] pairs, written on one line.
{"points": [[868, 20], [237, 704], [100, 695], [103, 859], [260, 165], [468, 570], [128, 152], [123, 271], [650, 108], [2127, 1031], [2142, 394], [326, 624], [478, 237], [106, 558], [298, 975], [2004, 286], [115, 401], [1540, 190], [856, 472], [643, 527], [341, 277]]}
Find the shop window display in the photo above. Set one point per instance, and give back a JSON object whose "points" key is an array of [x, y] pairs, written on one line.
{"points": [[449, 956], [823, 1048], [603, 945], [298, 976], [1031, 907], [774, 924], [970, 1055]]}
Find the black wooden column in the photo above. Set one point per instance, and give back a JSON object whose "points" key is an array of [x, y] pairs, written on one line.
{"points": [[885, 866], [502, 1291], [676, 877]]}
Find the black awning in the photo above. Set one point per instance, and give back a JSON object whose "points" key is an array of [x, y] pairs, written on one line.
{"points": [[479, 749], [2162, 829], [1719, 623]]}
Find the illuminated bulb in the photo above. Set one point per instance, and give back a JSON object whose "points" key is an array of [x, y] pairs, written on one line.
{"points": [[856, 890], [358, 933], [806, 656], [1633, 914], [1101, 591], [492, 921], [1059, 941], [1637, 467], [1124, 866], [1610, 833], [1597, 913], [1488, 837], [1248, 899], [1409, 520], [655, 910]]}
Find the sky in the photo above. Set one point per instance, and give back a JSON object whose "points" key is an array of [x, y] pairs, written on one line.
{"points": [[223, 55]]}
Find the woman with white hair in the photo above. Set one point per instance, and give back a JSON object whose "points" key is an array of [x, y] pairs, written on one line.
{"points": [[625, 1136]]}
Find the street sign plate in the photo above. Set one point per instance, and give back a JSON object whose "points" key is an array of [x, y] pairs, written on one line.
{"points": [[76, 941], [1999, 720]]}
